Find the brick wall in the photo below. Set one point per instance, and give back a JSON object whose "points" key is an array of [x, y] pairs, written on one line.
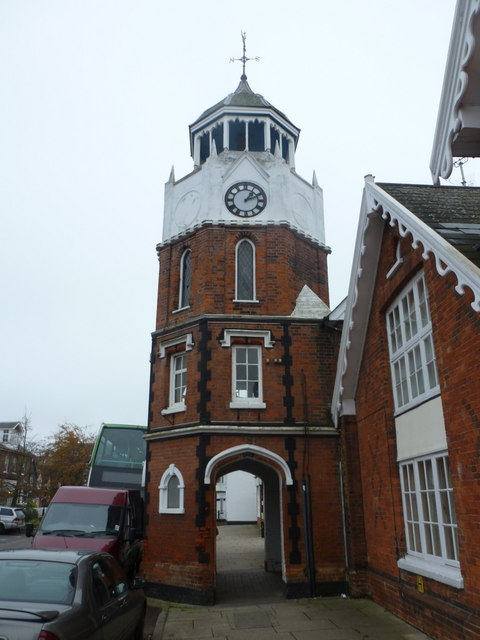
{"points": [[285, 262], [179, 549]]}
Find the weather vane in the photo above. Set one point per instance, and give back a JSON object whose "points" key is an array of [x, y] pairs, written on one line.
{"points": [[244, 58]]}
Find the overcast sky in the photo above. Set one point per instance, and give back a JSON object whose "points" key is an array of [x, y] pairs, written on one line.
{"points": [[95, 101]]}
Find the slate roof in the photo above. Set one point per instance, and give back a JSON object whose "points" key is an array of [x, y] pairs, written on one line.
{"points": [[243, 96], [9, 425], [453, 212]]}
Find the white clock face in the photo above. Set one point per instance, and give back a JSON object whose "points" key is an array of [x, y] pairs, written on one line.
{"points": [[245, 199]]}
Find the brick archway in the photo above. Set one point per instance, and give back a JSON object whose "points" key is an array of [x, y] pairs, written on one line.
{"points": [[266, 456]]}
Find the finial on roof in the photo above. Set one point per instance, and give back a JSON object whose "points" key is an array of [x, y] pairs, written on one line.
{"points": [[244, 58]]}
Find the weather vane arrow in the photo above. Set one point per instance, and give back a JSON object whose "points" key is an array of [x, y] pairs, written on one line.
{"points": [[244, 58]]}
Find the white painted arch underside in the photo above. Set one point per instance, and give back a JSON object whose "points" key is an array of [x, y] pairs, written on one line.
{"points": [[248, 448]]}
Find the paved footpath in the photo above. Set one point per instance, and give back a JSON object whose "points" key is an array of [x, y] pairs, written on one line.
{"points": [[251, 606], [308, 619]]}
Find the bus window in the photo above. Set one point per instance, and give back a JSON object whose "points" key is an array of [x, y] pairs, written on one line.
{"points": [[118, 457]]}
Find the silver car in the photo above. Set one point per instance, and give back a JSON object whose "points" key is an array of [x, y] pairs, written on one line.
{"points": [[11, 518], [67, 595]]}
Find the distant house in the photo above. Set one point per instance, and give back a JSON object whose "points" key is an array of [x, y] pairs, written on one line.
{"points": [[17, 466]]}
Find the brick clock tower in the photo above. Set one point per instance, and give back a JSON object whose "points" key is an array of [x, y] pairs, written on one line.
{"points": [[243, 358]]}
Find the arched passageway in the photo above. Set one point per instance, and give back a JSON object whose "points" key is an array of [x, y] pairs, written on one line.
{"points": [[249, 558]]}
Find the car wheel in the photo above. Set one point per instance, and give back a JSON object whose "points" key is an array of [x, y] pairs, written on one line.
{"points": [[2, 527]]}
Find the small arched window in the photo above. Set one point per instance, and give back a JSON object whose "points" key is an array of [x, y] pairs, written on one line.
{"points": [[245, 270], [185, 279], [171, 491]]}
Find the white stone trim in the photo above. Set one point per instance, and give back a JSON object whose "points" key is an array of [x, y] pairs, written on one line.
{"points": [[228, 334], [248, 448], [434, 570], [187, 338], [163, 491]]}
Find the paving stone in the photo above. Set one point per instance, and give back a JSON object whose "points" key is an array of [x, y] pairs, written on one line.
{"points": [[251, 620]]}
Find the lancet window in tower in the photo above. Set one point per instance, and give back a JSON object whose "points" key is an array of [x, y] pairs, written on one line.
{"points": [[277, 139], [217, 137], [256, 136], [245, 270], [237, 135], [185, 279], [204, 147]]}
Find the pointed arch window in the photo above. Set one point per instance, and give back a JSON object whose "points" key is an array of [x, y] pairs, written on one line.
{"points": [[185, 279], [171, 490], [245, 271]]}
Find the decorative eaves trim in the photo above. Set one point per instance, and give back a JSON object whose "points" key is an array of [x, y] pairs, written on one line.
{"points": [[378, 206], [449, 120], [447, 258]]}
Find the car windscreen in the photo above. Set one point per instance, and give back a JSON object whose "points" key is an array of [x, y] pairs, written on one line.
{"points": [[66, 518], [37, 581]]}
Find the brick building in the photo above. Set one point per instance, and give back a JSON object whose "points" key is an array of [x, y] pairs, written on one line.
{"points": [[243, 359], [406, 399]]}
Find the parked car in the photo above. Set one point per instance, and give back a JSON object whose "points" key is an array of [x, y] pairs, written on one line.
{"points": [[67, 595], [11, 518]]}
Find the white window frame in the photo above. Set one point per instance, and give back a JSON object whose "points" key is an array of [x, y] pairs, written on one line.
{"points": [[245, 402], [175, 406], [187, 340], [237, 272], [410, 343], [182, 303], [170, 473], [430, 520]]}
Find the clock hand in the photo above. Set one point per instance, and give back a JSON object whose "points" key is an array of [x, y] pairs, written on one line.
{"points": [[251, 196]]}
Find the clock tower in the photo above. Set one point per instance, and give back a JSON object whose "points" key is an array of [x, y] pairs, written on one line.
{"points": [[243, 358]]}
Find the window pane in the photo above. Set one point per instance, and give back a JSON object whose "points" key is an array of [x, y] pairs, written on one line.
{"points": [[179, 381], [173, 493], [241, 354], [245, 271], [430, 362], [410, 336], [185, 279], [247, 372], [422, 303], [435, 521]]}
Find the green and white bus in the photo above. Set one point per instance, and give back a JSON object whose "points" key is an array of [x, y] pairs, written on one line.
{"points": [[118, 458]]}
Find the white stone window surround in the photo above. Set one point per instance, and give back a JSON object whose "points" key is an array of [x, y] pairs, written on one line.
{"points": [[228, 334], [171, 472], [237, 272], [187, 340], [411, 349], [436, 497]]}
